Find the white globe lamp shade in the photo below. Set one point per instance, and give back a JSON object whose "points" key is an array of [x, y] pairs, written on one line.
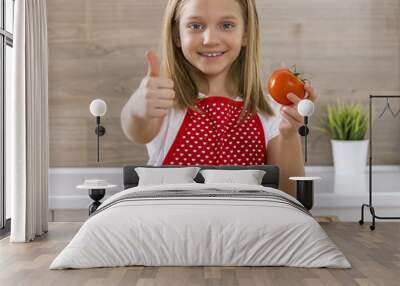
{"points": [[305, 107], [98, 107]]}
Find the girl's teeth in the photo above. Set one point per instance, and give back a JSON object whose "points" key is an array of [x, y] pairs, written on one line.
{"points": [[212, 55]]}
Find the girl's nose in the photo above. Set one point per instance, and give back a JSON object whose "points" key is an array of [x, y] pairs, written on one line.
{"points": [[210, 37]]}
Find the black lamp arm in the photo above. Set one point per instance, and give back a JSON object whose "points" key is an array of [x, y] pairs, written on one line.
{"points": [[100, 131], [304, 131]]}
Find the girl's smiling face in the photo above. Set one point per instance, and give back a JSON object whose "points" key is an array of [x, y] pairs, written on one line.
{"points": [[211, 34]]}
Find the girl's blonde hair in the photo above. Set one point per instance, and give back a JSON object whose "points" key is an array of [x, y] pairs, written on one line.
{"points": [[245, 70]]}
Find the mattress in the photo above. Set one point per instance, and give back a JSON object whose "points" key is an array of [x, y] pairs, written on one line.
{"points": [[201, 225]]}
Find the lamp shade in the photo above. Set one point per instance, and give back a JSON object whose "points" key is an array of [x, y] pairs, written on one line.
{"points": [[98, 107], [305, 107]]}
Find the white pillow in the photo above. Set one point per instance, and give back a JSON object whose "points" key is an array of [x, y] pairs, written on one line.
{"points": [[165, 176], [248, 177]]}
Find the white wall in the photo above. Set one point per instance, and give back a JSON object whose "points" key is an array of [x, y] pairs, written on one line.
{"points": [[63, 193]]}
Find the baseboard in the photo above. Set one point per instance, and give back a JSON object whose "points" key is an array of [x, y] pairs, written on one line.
{"points": [[322, 215], [68, 215], [354, 214], [81, 215]]}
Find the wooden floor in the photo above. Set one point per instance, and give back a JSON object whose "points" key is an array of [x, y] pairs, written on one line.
{"points": [[374, 255]]}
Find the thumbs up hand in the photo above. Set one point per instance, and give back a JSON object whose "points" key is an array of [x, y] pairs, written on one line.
{"points": [[153, 64], [155, 95]]}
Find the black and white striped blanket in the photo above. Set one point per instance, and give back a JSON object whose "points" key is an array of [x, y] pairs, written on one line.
{"points": [[206, 194]]}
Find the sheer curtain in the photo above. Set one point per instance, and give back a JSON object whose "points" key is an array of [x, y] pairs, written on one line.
{"points": [[27, 123]]}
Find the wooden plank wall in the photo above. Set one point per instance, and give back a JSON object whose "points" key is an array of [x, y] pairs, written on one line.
{"points": [[349, 49]]}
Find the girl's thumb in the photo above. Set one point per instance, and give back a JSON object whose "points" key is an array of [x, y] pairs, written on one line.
{"points": [[153, 64]]}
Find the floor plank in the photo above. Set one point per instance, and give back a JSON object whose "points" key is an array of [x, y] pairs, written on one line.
{"points": [[375, 257]]}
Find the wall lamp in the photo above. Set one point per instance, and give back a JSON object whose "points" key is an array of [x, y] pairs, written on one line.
{"points": [[98, 108]]}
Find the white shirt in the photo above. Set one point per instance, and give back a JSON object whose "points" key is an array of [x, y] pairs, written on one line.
{"points": [[158, 148]]}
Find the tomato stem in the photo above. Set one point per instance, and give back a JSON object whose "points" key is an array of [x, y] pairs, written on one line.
{"points": [[295, 71]]}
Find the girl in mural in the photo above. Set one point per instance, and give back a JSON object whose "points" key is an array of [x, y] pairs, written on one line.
{"points": [[204, 105]]}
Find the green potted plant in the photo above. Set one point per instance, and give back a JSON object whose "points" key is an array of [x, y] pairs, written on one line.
{"points": [[346, 125]]}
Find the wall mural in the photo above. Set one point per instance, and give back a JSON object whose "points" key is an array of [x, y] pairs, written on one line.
{"points": [[97, 49]]}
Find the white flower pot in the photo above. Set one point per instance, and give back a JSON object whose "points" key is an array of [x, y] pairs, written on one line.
{"points": [[349, 157]]}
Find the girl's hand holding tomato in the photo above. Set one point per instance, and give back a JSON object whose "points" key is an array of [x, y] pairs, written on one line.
{"points": [[287, 89]]}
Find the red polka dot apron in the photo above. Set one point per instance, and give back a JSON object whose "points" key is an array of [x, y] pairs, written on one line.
{"points": [[214, 135]]}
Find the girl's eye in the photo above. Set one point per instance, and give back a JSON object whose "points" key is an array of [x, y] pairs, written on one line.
{"points": [[228, 26], [195, 26]]}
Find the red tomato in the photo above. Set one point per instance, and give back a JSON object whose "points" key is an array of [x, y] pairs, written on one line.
{"points": [[282, 82]]}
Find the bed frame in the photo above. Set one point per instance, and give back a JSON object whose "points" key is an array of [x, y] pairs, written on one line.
{"points": [[305, 193], [270, 179]]}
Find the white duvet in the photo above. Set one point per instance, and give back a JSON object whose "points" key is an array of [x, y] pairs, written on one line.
{"points": [[200, 231]]}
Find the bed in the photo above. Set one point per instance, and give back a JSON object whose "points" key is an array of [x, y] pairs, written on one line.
{"points": [[201, 224]]}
